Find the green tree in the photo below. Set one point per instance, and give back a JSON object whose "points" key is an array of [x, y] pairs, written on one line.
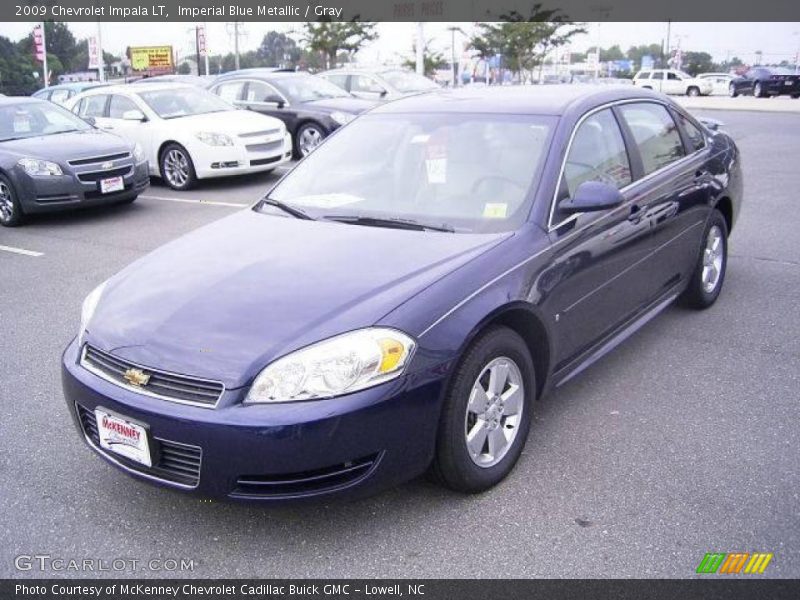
{"points": [[635, 53], [278, 50], [17, 70], [329, 37], [697, 62], [612, 53], [523, 41], [431, 59], [184, 68], [60, 42]]}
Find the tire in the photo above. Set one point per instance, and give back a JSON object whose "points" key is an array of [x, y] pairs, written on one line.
{"points": [[11, 213], [176, 168], [795, 96], [305, 136], [700, 294], [758, 92], [498, 350], [693, 91], [732, 91]]}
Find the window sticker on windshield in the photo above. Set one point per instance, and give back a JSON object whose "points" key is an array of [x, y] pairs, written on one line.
{"points": [[436, 162], [22, 122], [495, 210]]}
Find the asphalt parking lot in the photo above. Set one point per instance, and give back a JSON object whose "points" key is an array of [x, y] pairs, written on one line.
{"points": [[683, 441]]}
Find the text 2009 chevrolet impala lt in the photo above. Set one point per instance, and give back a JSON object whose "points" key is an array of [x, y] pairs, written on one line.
{"points": [[399, 300]]}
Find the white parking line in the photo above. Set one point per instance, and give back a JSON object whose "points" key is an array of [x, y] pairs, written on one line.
{"points": [[194, 201], [21, 251]]}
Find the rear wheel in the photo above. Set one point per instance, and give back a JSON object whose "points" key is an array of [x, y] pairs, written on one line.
{"points": [[693, 91], [709, 273], [307, 138], [758, 91], [10, 210], [732, 91], [795, 96], [177, 168], [486, 414]]}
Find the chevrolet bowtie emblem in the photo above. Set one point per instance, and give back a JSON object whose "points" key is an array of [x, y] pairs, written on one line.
{"points": [[107, 165], [136, 377]]}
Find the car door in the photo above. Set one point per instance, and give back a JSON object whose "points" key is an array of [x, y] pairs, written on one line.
{"points": [[595, 280], [121, 120], [262, 97], [673, 84], [673, 190], [657, 81]]}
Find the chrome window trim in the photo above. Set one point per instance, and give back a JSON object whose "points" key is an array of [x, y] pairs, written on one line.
{"points": [[550, 226], [148, 393], [107, 456]]}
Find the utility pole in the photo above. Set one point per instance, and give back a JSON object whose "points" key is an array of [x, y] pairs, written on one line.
{"points": [[236, 44], [453, 31], [420, 49], [101, 73], [669, 27], [197, 47], [205, 33]]}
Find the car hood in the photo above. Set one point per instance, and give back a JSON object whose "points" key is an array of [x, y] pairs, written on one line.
{"points": [[234, 122], [344, 104], [61, 147], [222, 302]]}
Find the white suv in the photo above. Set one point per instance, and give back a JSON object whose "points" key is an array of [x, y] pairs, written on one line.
{"points": [[669, 81]]}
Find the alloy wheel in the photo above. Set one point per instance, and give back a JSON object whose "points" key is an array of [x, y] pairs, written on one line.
{"points": [[494, 412], [176, 168], [757, 90], [6, 203], [310, 138], [713, 256]]}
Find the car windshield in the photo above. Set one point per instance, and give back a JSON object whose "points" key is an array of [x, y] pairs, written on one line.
{"points": [[172, 103], [31, 119], [306, 88], [465, 172], [403, 81]]}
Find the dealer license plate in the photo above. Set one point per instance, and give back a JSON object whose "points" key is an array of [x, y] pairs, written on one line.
{"points": [[123, 437], [112, 184]]}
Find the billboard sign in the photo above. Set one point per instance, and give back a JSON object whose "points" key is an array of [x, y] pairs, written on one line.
{"points": [[151, 59]]}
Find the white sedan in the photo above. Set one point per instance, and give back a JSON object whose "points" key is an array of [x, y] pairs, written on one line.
{"points": [[186, 132]]}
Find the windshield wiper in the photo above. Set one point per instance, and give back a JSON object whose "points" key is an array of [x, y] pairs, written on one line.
{"points": [[292, 210], [394, 223]]}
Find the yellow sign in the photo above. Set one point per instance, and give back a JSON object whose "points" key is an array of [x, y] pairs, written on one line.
{"points": [[151, 58]]}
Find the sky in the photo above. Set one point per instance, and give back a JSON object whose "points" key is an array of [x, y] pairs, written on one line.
{"points": [[777, 41]]}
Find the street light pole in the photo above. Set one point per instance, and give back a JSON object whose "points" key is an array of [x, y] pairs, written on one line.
{"points": [[101, 72], [236, 44]]}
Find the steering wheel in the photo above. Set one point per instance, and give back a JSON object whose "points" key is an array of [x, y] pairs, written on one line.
{"points": [[480, 181]]}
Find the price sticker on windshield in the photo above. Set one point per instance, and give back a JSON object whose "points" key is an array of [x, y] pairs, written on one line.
{"points": [[436, 161]]}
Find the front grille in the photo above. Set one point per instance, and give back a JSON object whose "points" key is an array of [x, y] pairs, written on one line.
{"points": [[266, 147], [306, 483], [173, 461], [167, 386], [95, 176], [98, 159], [264, 161], [266, 133]]}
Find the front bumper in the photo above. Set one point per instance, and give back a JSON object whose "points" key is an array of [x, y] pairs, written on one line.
{"points": [[67, 191], [239, 159], [349, 446]]}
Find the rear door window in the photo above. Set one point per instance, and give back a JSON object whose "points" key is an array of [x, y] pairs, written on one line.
{"points": [[93, 106], [119, 106], [655, 133]]}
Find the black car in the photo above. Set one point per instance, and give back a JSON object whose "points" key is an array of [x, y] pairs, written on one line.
{"points": [[763, 82], [51, 160], [310, 106]]}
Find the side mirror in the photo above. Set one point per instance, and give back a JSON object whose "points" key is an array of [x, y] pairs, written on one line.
{"points": [[592, 196], [274, 99], [711, 124], [134, 115]]}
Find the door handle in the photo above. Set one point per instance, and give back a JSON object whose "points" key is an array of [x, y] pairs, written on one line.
{"points": [[106, 127], [636, 214]]}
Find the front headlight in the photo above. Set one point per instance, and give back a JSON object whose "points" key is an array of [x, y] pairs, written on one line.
{"points": [[342, 118], [340, 365], [138, 153], [88, 308], [34, 166], [214, 139]]}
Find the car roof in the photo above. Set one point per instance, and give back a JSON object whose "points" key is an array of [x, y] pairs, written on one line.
{"points": [[141, 87], [76, 85], [525, 99], [265, 73], [6, 100]]}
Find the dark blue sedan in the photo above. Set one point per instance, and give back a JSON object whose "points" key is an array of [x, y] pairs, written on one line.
{"points": [[400, 300]]}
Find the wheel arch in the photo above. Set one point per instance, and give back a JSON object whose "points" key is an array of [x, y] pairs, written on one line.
{"points": [[162, 147], [725, 206]]}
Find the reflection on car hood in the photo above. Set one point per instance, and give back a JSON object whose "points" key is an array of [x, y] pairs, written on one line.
{"points": [[344, 104], [233, 122], [67, 146], [224, 301]]}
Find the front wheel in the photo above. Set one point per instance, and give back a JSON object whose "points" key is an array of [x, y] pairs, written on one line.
{"points": [[732, 91], [307, 138], [693, 91], [486, 414], [10, 211], [177, 168], [709, 272], [758, 91]]}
